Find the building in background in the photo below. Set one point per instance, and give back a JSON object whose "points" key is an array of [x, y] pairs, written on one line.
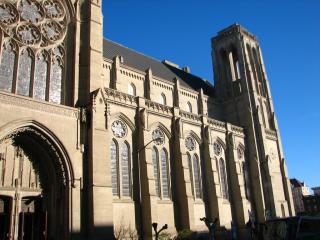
{"points": [[96, 137], [312, 202], [299, 190]]}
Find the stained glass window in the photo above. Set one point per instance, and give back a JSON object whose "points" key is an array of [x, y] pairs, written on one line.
{"points": [[40, 78], [245, 173], [191, 174], [189, 107], [197, 176], [125, 169], [223, 176], [156, 172], [7, 67], [55, 83], [114, 169], [190, 143], [24, 73], [164, 174]]}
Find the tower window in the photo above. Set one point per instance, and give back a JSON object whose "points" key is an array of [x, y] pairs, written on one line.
{"points": [[163, 99], [189, 107], [132, 89]]}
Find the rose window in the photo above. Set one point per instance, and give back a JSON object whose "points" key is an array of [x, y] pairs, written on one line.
{"points": [[119, 129], [190, 143], [158, 137], [39, 27], [217, 149]]}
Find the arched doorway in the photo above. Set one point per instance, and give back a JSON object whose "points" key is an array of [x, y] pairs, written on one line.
{"points": [[34, 186]]}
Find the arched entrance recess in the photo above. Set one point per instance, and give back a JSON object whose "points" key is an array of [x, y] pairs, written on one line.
{"points": [[35, 182]]}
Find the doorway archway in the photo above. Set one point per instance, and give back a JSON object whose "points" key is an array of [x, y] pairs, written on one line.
{"points": [[35, 182]]}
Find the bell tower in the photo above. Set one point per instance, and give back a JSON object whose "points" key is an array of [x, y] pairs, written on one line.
{"points": [[243, 89]]}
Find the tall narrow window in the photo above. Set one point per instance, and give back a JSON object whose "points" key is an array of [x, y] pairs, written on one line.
{"points": [[114, 168], [223, 176], [191, 173], [55, 82], [164, 174], [246, 179], [197, 176], [125, 169], [7, 66], [24, 73], [40, 77], [189, 107], [163, 99], [156, 172], [131, 89]]}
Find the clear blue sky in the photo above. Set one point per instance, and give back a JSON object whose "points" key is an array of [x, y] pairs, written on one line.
{"points": [[289, 35]]}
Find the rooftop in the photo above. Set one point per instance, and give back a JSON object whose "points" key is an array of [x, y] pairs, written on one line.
{"points": [[164, 69]]}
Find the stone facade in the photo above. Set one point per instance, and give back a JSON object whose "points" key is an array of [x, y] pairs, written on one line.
{"points": [[95, 136]]}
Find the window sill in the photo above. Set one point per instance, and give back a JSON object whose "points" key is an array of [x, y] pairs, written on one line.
{"points": [[122, 200], [164, 201]]}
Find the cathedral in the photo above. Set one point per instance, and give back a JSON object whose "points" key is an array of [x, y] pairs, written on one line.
{"points": [[96, 137]]}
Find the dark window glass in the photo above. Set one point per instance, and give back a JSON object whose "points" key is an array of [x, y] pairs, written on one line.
{"points": [[197, 177], [24, 73], [125, 168], [7, 67], [224, 183], [156, 172], [114, 169], [40, 78], [55, 83], [191, 174], [164, 174]]}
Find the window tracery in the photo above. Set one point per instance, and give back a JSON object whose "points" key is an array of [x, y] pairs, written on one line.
{"points": [[158, 137], [37, 25], [217, 149], [190, 143], [119, 129]]}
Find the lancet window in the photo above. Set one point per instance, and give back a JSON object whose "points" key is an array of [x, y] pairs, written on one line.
{"points": [[161, 166], [194, 167]]}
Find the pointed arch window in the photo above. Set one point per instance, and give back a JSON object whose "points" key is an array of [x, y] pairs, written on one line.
{"points": [[114, 168], [24, 72], [55, 88], [125, 170], [165, 174], [40, 78], [189, 107], [246, 179], [132, 89], [197, 177], [163, 99], [7, 66], [156, 171], [122, 167], [191, 173], [223, 179]]}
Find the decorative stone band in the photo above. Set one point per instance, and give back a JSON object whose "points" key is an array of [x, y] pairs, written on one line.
{"points": [[120, 96], [154, 106], [218, 125], [25, 102], [271, 134], [191, 116]]}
